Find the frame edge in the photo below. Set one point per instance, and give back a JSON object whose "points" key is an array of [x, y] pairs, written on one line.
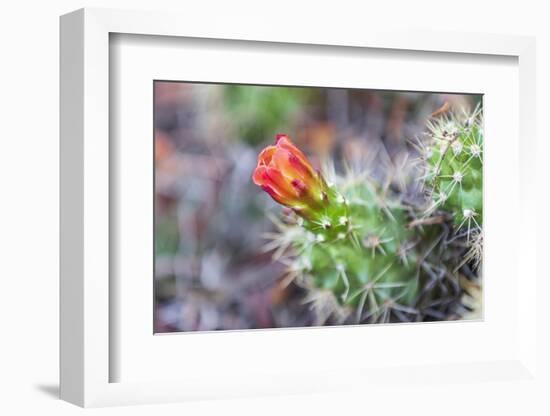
{"points": [[71, 216]]}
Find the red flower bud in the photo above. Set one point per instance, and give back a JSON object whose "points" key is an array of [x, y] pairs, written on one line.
{"points": [[285, 173]]}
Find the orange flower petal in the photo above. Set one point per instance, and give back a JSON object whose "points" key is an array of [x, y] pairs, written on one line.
{"points": [[258, 176], [280, 182], [265, 156], [299, 186], [283, 142], [292, 167], [273, 194]]}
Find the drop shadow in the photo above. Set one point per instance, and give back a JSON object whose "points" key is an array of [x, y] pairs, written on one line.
{"points": [[51, 390]]}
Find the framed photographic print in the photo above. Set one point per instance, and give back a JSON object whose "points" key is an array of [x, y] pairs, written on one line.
{"points": [[374, 227], [275, 214]]}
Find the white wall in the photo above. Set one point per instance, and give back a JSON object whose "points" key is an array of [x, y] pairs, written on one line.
{"points": [[29, 183]]}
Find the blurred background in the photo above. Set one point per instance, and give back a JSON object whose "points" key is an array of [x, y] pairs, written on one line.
{"points": [[211, 272]]}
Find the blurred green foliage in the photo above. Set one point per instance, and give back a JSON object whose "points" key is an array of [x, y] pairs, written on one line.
{"points": [[259, 112], [166, 234]]}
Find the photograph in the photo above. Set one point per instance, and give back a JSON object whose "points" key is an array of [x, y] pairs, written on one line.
{"points": [[282, 206]]}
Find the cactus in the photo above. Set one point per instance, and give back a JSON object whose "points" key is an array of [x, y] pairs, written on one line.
{"points": [[363, 254], [453, 177], [454, 168]]}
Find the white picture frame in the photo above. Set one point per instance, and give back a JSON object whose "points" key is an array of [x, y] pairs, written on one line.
{"points": [[87, 301]]}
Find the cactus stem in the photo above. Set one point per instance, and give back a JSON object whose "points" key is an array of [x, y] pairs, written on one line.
{"points": [[367, 291]]}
